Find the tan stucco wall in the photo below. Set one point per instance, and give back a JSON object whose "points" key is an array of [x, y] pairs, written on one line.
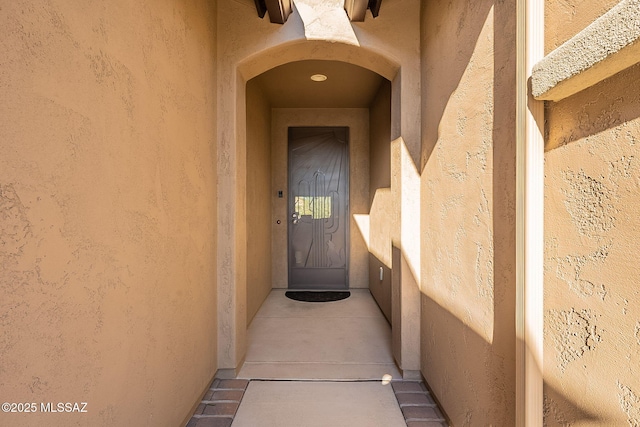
{"points": [[357, 120], [107, 209], [591, 299], [259, 198], [468, 209], [380, 208], [592, 230], [605, 47], [564, 19]]}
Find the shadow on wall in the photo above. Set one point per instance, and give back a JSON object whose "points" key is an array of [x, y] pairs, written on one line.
{"points": [[503, 134], [468, 154], [440, 89], [468, 333], [604, 106], [591, 229], [560, 411], [460, 334]]}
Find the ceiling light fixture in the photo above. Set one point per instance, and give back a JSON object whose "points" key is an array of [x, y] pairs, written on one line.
{"points": [[318, 77]]}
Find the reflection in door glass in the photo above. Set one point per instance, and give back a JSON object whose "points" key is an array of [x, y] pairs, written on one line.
{"points": [[316, 207]]}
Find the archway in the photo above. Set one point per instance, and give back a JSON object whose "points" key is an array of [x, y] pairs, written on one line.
{"points": [[232, 277]]}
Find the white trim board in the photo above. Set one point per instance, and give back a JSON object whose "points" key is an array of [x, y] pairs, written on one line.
{"points": [[529, 219]]}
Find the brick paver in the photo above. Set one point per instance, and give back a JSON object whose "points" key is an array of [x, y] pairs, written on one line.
{"points": [[200, 409], [425, 424], [233, 385], [405, 399], [234, 395], [221, 409], [219, 404], [214, 422], [407, 387], [420, 413], [417, 405]]}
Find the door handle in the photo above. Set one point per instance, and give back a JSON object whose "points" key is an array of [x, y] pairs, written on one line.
{"points": [[296, 217]]}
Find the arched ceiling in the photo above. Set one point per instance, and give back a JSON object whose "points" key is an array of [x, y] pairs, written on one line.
{"points": [[347, 85]]}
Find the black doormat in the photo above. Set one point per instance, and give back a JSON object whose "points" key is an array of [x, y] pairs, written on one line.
{"points": [[317, 296]]}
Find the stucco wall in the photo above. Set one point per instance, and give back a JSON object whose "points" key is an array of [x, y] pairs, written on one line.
{"points": [[381, 209], [592, 230], [357, 120], [468, 209], [259, 198], [564, 19], [107, 209]]}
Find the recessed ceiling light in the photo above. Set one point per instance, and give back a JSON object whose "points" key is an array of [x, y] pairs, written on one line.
{"points": [[318, 77]]}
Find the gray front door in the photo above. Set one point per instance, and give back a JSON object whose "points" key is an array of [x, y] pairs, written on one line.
{"points": [[318, 208]]}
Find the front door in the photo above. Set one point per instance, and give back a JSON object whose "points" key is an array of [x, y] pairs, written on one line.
{"points": [[318, 208]]}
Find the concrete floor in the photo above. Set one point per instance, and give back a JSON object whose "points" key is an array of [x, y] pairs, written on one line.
{"points": [[318, 404], [318, 364], [341, 340]]}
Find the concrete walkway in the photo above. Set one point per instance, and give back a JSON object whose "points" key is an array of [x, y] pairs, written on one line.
{"points": [[318, 364], [318, 404], [342, 340]]}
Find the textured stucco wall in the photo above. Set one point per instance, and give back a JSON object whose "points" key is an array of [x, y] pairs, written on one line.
{"points": [[468, 209], [605, 47], [566, 18], [107, 209], [592, 235], [381, 209], [259, 198], [357, 120]]}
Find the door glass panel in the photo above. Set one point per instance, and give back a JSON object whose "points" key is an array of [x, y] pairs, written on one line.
{"points": [[315, 207]]}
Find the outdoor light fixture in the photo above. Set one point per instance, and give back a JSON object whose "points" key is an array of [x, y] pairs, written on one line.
{"points": [[318, 77]]}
